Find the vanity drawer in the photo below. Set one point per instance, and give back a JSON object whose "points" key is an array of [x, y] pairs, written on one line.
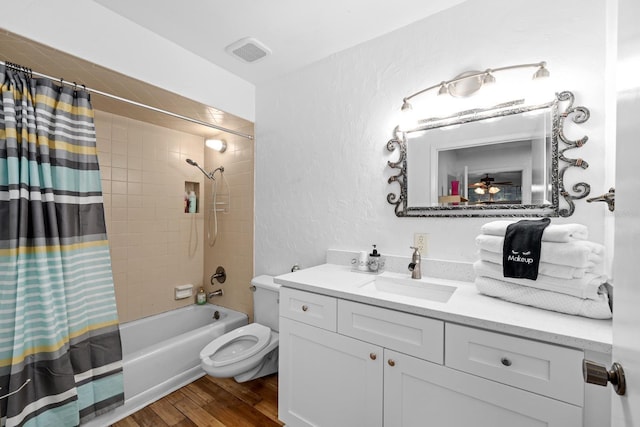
{"points": [[306, 307], [417, 336], [542, 368]]}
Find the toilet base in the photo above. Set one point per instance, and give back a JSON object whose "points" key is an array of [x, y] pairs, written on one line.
{"points": [[268, 366], [258, 365]]}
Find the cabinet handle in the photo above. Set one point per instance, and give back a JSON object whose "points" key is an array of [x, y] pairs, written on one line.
{"points": [[391, 362], [305, 308], [505, 361], [373, 356]]}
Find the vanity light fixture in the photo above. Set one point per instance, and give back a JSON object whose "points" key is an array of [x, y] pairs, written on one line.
{"points": [[216, 144], [468, 83]]}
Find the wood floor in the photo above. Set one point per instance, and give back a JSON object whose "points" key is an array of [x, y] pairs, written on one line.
{"points": [[216, 402]]}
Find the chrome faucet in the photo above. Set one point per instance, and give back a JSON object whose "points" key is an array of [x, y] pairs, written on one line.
{"points": [[217, 293], [414, 266]]}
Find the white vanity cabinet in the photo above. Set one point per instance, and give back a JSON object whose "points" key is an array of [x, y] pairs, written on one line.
{"points": [[372, 366], [420, 393], [325, 379]]}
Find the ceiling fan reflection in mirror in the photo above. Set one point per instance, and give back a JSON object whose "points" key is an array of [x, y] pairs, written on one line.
{"points": [[488, 185]]}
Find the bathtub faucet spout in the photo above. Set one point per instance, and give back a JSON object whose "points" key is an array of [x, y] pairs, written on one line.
{"points": [[217, 293]]}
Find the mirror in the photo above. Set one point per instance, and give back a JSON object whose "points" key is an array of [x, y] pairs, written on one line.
{"points": [[501, 161]]}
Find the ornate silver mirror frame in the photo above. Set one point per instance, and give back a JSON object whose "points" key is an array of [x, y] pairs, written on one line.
{"points": [[580, 190]]}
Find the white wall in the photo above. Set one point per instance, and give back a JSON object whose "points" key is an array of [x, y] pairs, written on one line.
{"points": [[92, 32], [321, 132]]}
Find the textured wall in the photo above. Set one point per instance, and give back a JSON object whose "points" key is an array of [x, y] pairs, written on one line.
{"points": [[321, 132], [154, 244]]}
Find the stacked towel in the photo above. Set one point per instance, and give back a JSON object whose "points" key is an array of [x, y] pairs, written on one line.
{"points": [[585, 287], [553, 233], [548, 269], [577, 253], [569, 280], [597, 309]]}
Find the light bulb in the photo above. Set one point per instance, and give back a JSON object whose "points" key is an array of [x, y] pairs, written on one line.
{"points": [[539, 91], [408, 119], [216, 144]]}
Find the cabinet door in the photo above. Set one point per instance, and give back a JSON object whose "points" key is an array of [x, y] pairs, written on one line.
{"points": [[419, 393], [328, 379]]}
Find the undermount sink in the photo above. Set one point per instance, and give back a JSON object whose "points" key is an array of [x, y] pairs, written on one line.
{"points": [[412, 288]]}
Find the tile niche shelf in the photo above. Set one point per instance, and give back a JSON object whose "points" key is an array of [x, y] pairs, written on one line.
{"points": [[190, 186]]}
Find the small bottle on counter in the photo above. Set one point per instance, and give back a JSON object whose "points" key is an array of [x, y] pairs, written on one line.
{"points": [[376, 261], [201, 297]]}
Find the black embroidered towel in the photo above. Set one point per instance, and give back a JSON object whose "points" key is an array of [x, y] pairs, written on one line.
{"points": [[521, 250]]}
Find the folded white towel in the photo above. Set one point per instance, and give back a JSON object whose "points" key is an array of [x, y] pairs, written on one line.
{"points": [[552, 233], [586, 287], [597, 309], [547, 268], [578, 253]]}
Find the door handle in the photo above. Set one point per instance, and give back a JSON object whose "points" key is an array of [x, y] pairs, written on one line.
{"points": [[595, 373]]}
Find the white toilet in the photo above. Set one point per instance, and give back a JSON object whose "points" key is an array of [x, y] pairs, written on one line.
{"points": [[250, 351]]}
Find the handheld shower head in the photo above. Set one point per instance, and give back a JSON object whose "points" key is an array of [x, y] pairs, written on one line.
{"points": [[191, 162]]}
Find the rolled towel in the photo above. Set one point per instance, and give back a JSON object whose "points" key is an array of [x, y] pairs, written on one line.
{"points": [[578, 253], [597, 309], [547, 268], [559, 233], [586, 287]]}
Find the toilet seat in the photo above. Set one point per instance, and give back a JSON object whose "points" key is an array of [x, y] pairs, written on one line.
{"points": [[255, 335]]}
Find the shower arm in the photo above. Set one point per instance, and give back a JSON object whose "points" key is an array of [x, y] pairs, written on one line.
{"points": [[213, 172], [209, 175]]}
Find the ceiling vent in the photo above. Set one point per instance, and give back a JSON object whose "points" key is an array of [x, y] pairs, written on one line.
{"points": [[248, 50]]}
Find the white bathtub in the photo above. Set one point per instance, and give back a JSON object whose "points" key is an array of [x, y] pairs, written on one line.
{"points": [[161, 353]]}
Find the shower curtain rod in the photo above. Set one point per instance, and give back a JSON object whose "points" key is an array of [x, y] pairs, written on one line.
{"points": [[127, 101]]}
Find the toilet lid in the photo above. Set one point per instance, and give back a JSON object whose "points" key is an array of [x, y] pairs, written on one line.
{"points": [[255, 336]]}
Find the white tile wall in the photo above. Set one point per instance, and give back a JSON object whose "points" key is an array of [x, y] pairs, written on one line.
{"points": [[234, 246], [154, 245]]}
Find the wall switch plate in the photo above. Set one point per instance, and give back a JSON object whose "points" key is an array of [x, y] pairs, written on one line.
{"points": [[420, 242]]}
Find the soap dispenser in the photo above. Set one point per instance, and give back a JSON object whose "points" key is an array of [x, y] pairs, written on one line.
{"points": [[201, 297], [376, 261]]}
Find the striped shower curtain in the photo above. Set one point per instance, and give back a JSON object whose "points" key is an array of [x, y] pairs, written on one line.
{"points": [[60, 351]]}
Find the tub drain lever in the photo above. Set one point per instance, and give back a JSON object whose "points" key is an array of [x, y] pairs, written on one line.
{"points": [[220, 275]]}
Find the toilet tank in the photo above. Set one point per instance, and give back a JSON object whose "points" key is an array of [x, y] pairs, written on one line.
{"points": [[265, 301]]}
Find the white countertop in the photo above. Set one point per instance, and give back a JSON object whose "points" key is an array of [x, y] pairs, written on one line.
{"points": [[466, 306]]}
